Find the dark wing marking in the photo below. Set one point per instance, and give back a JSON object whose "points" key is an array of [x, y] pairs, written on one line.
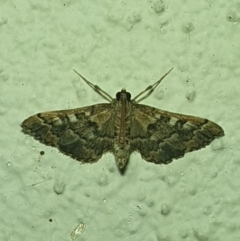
{"points": [[162, 136], [84, 133]]}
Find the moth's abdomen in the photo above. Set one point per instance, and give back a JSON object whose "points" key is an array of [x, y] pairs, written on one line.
{"points": [[121, 144]]}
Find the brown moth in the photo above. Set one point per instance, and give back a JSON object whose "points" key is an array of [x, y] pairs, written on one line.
{"points": [[121, 127]]}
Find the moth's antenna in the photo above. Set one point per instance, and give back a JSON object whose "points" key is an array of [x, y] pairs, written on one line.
{"points": [[151, 88], [96, 88]]}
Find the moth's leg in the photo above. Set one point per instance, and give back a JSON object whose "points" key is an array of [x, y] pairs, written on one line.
{"points": [[150, 88], [96, 88]]}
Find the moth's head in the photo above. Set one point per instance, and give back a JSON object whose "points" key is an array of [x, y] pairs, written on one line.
{"points": [[123, 95]]}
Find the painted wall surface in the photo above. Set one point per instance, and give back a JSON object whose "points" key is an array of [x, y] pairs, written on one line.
{"points": [[45, 195]]}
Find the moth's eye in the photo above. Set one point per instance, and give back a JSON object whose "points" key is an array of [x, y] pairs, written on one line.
{"points": [[128, 96], [118, 95]]}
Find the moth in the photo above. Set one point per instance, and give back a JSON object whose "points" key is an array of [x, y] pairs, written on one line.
{"points": [[122, 126]]}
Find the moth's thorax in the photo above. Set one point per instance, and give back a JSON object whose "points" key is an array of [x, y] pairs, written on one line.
{"points": [[122, 127]]}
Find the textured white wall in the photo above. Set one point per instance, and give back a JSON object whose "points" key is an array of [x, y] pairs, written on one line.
{"points": [[119, 44]]}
